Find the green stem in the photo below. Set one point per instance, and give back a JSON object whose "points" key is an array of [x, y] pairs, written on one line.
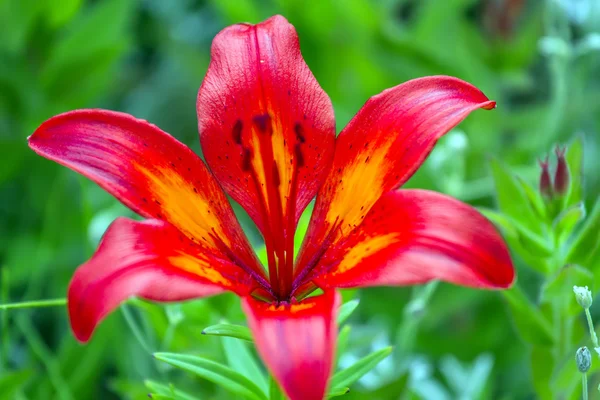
{"points": [[34, 303], [591, 327], [4, 334], [584, 387]]}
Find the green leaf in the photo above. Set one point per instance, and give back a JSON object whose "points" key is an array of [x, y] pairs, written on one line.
{"points": [[229, 330], [512, 199], [348, 376], [574, 158], [529, 321], [275, 392], [565, 222], [535, 199], [241, 360], [587, 239], [11, 382], [346, 310], [529, 242], [220, 374], [338, 392], [169, 391], [342, 341], [60, 13]]}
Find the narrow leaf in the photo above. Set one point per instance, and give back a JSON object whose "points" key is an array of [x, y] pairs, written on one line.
{"points": [[220, 374], [241, 360], [566, 221], [338, 392], [342, 341], [169, 391], [512, 200], [229, 330], [275, 392], [535, 199], [348, 376], [531, 242], [574, 158], [588, 238], [346, 310]]}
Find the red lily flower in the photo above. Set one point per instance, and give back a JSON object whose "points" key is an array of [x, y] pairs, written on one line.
{"points": [[268, 134]]}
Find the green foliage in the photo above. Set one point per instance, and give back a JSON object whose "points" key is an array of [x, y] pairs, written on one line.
{"points": [[341, 380], [223, 376], [148, 58]]}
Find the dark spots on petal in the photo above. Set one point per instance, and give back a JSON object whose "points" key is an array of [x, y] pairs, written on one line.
{"points": [[263, 123], [145, 144], [145, 200], [289, 92], [159, 216], [236, 133], [299, 132], [366, 144], [367, 159], [158, 202], [189, 169], [195, 190], [276, 179], [305, 117], [299, 155], [246, 159], [172, 164]]}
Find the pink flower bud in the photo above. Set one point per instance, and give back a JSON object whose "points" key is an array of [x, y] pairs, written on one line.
{"points": [[561, 176]]}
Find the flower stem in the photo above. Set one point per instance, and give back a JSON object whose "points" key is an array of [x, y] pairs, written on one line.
{"points": [[584, 386], [34, 303], [591, 327]]}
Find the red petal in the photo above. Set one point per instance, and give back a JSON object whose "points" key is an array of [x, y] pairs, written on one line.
{"points": [[264, 120], [297, 342], [149, 171], [150, 259], [380, 149], [413, 236]]}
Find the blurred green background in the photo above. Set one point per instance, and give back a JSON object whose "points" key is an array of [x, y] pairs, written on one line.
{"points": [[540, 60]]}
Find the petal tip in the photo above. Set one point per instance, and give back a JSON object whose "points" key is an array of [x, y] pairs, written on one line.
{"points": [[489, 105]]}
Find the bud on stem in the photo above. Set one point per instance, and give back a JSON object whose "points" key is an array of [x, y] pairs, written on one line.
{"points": [[583, 296], [562, 177], [583, 357]]}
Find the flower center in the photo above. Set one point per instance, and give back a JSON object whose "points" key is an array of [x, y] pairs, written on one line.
{"points": [[277, 187]]}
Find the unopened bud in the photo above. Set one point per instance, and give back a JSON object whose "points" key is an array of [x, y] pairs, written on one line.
{"points": [[562, 177], [583, 357], [583, 296], [545, 182]]}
